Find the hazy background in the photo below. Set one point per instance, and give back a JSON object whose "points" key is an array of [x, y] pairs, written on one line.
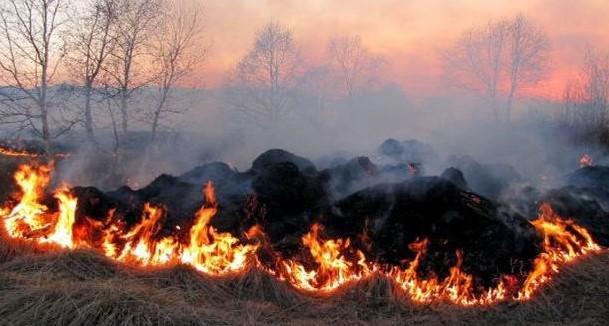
{"points": [[406, 87]]}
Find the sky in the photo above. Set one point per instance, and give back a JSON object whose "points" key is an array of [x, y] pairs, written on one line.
{"points": [[408, 33]]}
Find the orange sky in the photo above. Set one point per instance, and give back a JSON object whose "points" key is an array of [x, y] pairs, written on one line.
{"points": [[408, 33]]}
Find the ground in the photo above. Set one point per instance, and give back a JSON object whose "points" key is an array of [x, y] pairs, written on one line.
{"points": [[85, 288]]}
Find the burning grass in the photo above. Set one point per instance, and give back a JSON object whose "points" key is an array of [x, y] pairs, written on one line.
{"points": [[82, 287], [332, 264], [55, 269]]}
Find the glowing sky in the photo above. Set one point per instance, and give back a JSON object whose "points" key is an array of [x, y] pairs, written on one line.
{"points": [[408, 33]]}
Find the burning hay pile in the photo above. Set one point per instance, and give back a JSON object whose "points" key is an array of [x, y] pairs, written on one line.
{"points": [[281, 236]]}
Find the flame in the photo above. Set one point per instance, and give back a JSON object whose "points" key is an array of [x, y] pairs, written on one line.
{"points": [[140, 246], [29, 215], [62, 230], [325, 266], [563, 241], [207, 250], [210, 251], [457, 288], [585, 160], [6, 151], [11, 152], [333, 270]]}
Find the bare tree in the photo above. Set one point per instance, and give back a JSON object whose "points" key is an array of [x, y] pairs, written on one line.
{"points": [[586, 99], [499, 58], [177, 51], [265, 77], [137, 22], [32, 48], [356, 66], [92, 40], [315, 87], [528, 56], [475, 60]]}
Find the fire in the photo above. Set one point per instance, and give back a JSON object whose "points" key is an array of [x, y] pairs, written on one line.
{"points": [[324, 266], [211, 251], [207, 250], [334, 269], [62, 231], [29, 215], [140, 246], [6, 151], [585, 160], [563, 241], [457, 288]]}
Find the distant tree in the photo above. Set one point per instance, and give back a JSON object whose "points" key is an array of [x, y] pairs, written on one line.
{"points": [[475, 60], [500, 57], [129, 63], [356, 66], [315, 87], [586, 98], [177, 51], [32, 43], [262, 88], [93, 38], [527, 58]]}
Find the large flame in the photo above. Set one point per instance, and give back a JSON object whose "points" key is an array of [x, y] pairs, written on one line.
{"points": [[563, 241], [140, 245], [29, 215], [333, 268], [324, 266], [62, 234], [210, 251]]}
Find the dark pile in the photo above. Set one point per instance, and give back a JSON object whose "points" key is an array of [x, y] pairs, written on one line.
{"points": [[381, 209]]}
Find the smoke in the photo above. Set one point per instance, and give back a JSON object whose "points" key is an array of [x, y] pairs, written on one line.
{"points": [[454, 125]]}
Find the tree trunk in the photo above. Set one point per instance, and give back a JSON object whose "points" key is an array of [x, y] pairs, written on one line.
{"points": [[124, 113], [509, 105], [157, 114], [44, 119], [88, 114], [494, 106]]}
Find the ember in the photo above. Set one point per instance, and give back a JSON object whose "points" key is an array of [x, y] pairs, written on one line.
{"points": [[585, 160]]}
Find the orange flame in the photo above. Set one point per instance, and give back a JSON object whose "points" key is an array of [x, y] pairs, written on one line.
{"points": [[141, 247], [6, 151], [334, 269], [333, 264], [563, 241], [62, 230], [457, 288], [210, 251], [29, 215]]}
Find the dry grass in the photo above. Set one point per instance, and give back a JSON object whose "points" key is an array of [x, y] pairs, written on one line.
{"points": [[84, 288]]}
